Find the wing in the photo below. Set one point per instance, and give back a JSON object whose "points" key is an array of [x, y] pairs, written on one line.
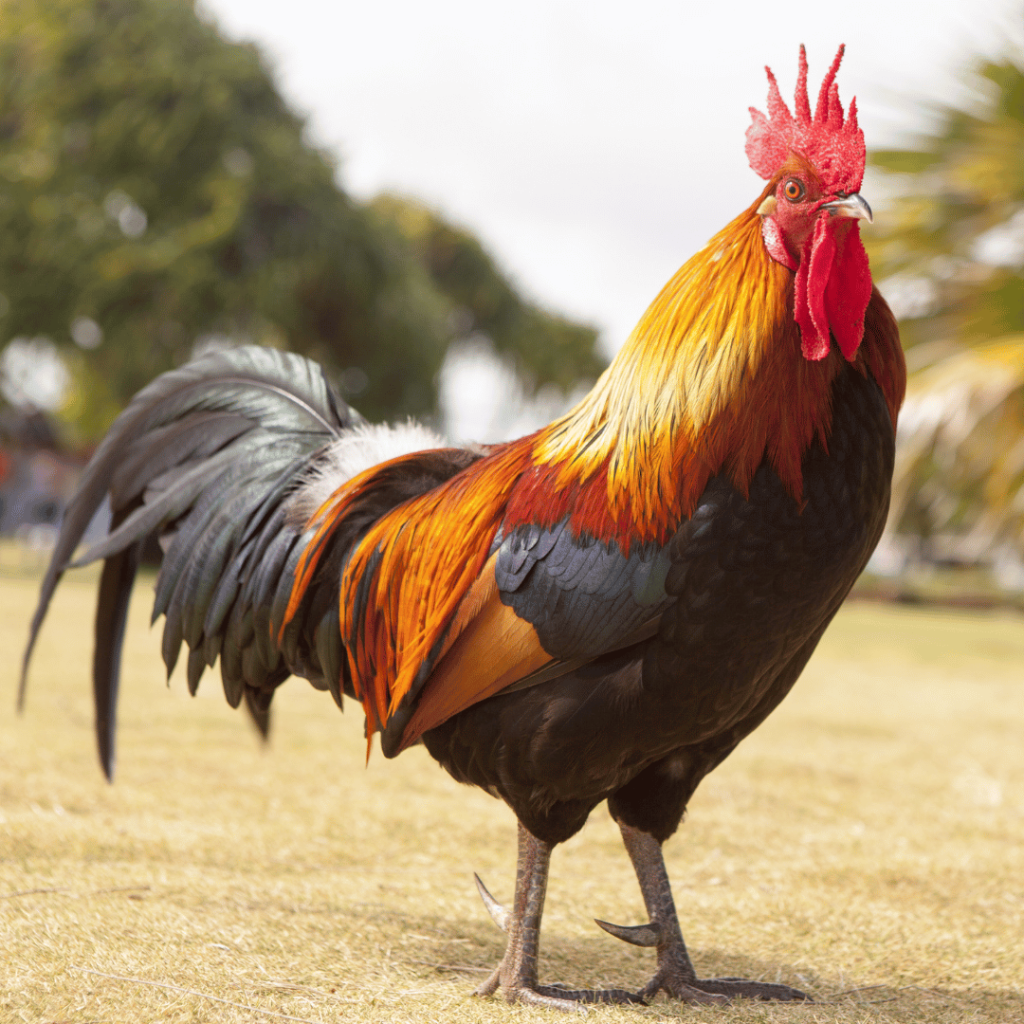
{"points": [[546, 601], [584, 597]]}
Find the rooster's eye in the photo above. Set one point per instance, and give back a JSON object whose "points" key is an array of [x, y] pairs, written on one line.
{"points": [[793, 190]]}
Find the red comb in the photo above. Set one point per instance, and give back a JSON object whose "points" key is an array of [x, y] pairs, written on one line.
{"points": [[830, 140]]}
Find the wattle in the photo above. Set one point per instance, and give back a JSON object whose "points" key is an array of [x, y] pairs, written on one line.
{"points": [[832, 288]]}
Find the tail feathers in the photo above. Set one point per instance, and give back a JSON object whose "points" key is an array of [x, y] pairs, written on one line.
{"points": [[223, 432], [331, 655], [111, 616], [177, 492], [258, 707], [158, 451]]}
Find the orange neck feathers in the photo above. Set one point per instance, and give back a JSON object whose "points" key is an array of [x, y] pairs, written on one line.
{"points": [[711, 380]]}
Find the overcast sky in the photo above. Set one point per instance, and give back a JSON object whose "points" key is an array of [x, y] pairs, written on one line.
{"points": [[593, 146]]}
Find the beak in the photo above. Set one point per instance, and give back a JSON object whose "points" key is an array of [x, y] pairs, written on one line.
{"points": [[852, 206]]}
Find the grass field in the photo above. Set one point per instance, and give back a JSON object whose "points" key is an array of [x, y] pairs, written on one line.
{"points": [[867, 845]]}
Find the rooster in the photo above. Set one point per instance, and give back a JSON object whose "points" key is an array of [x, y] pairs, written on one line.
{"points": [[599, 611]]}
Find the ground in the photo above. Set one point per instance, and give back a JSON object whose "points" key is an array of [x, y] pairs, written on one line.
{"points": [[866, 845]]}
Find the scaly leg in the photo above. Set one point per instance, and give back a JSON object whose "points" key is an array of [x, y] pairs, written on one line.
{"points": [[675, 974], [516, 975]]}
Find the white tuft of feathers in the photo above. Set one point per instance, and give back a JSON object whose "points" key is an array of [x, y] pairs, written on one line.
{"points": [[359, 448]]}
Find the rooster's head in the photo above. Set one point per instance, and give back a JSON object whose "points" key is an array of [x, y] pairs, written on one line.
{"points": [[809, 213]]}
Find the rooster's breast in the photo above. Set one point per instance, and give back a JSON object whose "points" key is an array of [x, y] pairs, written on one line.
{"points": [[752, 583], [755, 579]]}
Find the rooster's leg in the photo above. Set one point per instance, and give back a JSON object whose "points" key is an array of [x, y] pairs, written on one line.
{"points": [[675, 974], [516, 975]]}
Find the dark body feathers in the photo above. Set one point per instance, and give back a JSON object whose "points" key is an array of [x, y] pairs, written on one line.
{"points": [[751, 584]]}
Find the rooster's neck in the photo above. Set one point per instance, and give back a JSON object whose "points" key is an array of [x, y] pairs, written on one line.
{"points": [[711, 380]]}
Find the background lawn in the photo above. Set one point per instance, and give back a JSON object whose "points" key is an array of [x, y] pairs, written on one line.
{"points": [[866, 844]]}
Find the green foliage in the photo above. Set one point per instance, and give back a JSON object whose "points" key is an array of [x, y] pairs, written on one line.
{"points": [[545, 348], [958, 211], [955, 239], [154, 184], [960, 461], [903, 161]]}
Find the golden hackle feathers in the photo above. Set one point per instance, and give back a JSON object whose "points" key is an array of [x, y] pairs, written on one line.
{"points": [[697, 388]]}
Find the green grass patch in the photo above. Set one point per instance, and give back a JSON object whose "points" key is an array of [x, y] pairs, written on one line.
{"points": [[866, 844]]}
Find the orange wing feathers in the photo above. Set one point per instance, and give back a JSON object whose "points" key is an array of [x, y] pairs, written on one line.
{"points": [[408, 576], [493, 648]]}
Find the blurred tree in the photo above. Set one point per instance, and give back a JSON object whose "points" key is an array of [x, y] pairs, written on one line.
{"points": [[951, 261], [158, 192], [543, 347]]}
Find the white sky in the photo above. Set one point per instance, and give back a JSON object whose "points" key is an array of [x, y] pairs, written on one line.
{"points": [[593, 146]]}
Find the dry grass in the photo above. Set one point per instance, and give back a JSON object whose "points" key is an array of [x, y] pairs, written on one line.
{"points": [[867, 844]]}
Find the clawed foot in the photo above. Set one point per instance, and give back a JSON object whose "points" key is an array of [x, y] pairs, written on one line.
{"points": [[677, 978], [555, 996], [675, 974], [719, 990], [516, 974]]}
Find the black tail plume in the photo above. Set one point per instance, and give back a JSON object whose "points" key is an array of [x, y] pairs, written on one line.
{"points": [[195, 458]]}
